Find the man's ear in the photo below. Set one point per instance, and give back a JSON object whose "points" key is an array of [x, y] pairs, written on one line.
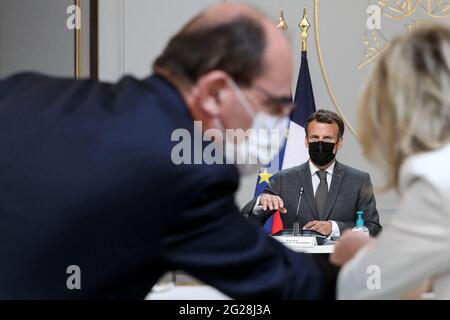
{"points": [[209, 90], [340, 142], [306, 142]]}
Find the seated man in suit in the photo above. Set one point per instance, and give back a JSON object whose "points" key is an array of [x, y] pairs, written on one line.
{"points": [[333, 192]]}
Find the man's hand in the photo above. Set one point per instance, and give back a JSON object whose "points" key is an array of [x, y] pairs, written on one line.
{"points": [[272, 202], [349, 244], [324, 227]]}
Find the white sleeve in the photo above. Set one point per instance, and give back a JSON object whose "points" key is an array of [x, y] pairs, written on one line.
{"points": [[414, 247], [335, 232], [258, 209]]}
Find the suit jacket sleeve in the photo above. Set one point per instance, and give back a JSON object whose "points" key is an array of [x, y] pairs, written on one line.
{"points": [[417, 236], [274, 187], [366, 204], [217, 245]]}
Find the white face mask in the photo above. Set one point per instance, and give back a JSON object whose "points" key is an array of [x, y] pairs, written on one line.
{"points": [[264, 139]]}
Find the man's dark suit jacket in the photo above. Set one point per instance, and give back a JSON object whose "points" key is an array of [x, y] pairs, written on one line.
{"points": [[350, 191], [86, 179]]}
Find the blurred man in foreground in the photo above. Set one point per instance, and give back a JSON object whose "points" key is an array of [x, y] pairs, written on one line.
{"points": [[90, 180]]}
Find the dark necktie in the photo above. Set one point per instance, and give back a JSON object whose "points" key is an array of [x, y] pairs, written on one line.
{"points": [[321, 193]]}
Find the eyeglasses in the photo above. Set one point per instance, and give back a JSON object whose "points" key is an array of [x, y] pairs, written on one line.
{"points": [[276, 104]]}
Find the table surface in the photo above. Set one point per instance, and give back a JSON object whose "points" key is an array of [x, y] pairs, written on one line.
{"points": [[325, 249], [197, 292]]}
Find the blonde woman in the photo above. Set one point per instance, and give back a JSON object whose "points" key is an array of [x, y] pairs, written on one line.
{"points": [[405, 116]]}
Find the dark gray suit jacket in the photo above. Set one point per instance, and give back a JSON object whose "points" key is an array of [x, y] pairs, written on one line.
{"points": [[350, 191]]}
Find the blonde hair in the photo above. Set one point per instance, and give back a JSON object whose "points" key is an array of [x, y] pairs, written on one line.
{"points": [[405, 106]]}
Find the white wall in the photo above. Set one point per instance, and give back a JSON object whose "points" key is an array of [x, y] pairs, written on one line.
{"points": [[34, 37], [132, 33]]}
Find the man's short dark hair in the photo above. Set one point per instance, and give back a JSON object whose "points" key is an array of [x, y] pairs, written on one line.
{"points": [[235, 47], [326, 116]]}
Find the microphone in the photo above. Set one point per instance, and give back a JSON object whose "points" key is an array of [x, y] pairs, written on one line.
{"points": [[297, 218]]}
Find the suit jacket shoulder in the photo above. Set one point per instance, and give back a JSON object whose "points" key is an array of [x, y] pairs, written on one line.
{"points": [[290, 172], [351, 171]]}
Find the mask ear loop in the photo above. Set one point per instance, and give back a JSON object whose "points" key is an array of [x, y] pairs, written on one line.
{"points": [[249, 107], [242, 98], [246, 103]]}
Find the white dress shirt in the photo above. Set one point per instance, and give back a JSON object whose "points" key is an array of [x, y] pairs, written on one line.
{"points": [[335, 232]]}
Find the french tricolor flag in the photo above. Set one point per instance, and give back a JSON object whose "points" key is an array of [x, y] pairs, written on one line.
{"points": [[296, 152]]}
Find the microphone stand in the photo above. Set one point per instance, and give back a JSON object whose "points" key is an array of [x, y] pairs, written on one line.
{"points": [[297, 218]]}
